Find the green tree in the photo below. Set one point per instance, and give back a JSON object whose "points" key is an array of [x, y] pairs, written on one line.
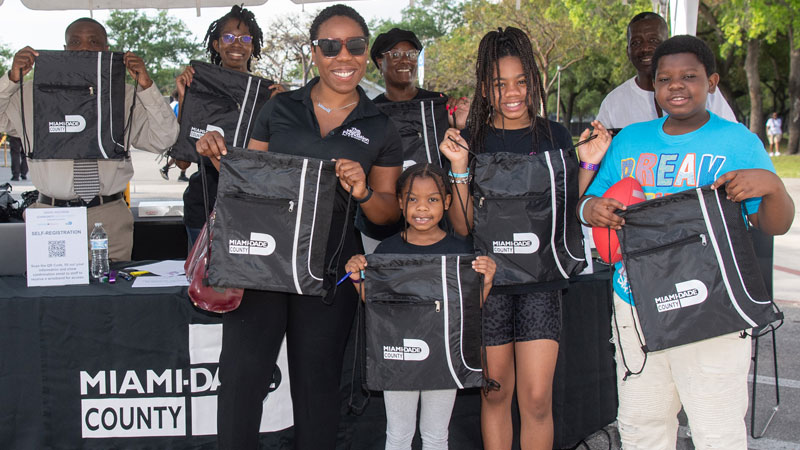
{"points": [[6, 55], [564, 34], [430, 20], [163, 42], [783, 18], [757, 49], [286, 51]]}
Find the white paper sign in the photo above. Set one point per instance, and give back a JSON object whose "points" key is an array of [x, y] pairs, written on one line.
{"points": [[166, 281], [56, 243]]}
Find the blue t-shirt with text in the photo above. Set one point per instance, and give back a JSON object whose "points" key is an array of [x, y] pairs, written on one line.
{"points": [[665, 164]]}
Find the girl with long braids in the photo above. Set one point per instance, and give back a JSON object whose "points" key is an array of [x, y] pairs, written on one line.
{"points": [[522, 323], [233, 41]]}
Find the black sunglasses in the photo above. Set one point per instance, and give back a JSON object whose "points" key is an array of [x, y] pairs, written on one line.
{"points": [[331, 47]]}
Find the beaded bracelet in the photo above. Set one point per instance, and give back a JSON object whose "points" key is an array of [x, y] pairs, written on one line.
{"points": [[461, 180]]}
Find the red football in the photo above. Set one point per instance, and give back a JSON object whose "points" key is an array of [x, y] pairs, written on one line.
{"points": [[628, 191]]}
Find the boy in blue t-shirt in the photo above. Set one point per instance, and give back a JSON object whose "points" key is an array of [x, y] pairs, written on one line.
{"points": [[688, 148]]}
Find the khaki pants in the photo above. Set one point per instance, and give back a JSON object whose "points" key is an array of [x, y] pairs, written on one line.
{"points": [[709, 378], [117, 220]]}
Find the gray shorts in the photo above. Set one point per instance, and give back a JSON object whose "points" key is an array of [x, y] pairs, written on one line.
{"points": [[522, 317]]}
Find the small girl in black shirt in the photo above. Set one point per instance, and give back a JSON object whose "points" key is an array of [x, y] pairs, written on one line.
{"points": [[424, 196]]}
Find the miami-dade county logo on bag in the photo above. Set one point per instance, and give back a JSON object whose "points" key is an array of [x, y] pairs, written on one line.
{"points": [[261, 244], [411, 350], [197, 133], [687, 293], [71, 124], [523, 243]]}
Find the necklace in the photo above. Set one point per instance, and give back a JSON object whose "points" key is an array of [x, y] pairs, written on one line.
{"points": [[330, 110]]}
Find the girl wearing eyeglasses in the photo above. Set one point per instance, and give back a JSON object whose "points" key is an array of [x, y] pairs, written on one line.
{"points": [[232, 41], [330, 118]]}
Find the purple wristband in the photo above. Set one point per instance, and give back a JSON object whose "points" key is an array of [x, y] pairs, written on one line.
{"points": [[590, 166]]}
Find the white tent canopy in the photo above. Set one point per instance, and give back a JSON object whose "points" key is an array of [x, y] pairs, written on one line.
{"points": [[49, 5]]}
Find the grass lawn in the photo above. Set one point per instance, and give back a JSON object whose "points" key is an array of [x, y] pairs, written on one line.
{"points": [[787, 166]]}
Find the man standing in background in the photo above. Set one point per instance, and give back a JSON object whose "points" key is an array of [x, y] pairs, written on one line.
{"points": [[634, 100], [774, 134], [19, 163]]}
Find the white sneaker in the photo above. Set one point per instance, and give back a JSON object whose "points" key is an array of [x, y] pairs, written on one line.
{"points": [[777, 153], [771, 153]]}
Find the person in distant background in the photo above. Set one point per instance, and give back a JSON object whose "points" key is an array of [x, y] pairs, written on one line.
{"points": [[774, 134], [19, 163], [634, 100], [182, 165]]}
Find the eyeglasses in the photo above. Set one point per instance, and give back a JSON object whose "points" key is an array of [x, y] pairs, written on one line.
{"points": [[229, 39], [412, 55], [331, 47]]}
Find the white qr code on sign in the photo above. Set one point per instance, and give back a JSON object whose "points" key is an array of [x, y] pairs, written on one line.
{"points": [[56, 249]]}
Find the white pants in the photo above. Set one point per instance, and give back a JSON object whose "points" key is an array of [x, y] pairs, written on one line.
{"points": [[434, 420], [709, 378]]}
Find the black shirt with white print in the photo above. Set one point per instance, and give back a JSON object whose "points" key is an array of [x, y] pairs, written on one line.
{"points": [[287, 122], [367, 136]]}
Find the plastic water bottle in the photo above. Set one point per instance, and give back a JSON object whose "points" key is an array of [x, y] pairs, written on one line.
{"points": [[99, 240]]}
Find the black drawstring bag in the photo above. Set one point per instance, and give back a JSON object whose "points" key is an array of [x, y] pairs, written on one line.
{"points": [[219, 99], [79, 105], [421, 124], [692, 269], [273, 217], [525, 215], [423, 325]]}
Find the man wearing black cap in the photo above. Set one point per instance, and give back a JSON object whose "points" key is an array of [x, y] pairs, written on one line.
{"points": [[395, 54]]}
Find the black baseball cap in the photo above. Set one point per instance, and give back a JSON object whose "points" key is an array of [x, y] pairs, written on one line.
{"points": [[385, 41]]}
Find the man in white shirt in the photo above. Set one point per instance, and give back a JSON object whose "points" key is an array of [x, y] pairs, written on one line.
{"points": [[98, 185], [634, 100], [774, 134]]}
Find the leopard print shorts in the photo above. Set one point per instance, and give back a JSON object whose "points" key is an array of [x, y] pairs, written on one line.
{"points": [[522, 317]]}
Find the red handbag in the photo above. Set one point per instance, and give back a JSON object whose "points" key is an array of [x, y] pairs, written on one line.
{"points": [[210, 298]]}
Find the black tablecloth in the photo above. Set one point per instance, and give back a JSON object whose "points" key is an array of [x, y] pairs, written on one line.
{"points": [[68, 349]]}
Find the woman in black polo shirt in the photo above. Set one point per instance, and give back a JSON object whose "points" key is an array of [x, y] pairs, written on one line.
{"points": [[330, 118]]}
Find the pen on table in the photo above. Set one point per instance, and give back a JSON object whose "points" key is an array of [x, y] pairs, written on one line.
{"points": [[344, 278], [124, 275]]}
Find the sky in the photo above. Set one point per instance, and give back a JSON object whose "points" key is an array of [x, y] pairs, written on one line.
{"points": [[45, 29]]}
